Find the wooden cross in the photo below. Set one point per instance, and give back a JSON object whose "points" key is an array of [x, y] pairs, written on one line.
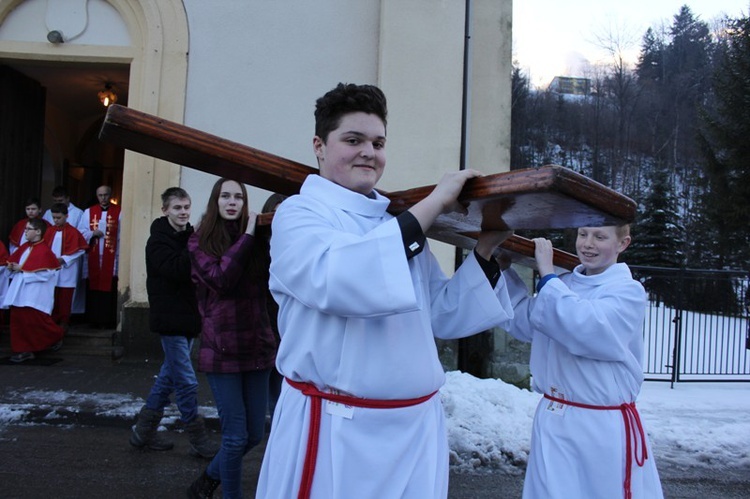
{"points": [[550, 197]]}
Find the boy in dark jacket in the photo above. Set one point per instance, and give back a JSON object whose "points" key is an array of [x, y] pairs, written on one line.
{"points": [[174, 315]]}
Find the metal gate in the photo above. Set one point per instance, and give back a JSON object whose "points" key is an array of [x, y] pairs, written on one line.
{"points": [[696, 326]]}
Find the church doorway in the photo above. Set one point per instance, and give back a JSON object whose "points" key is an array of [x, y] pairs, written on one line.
{"points": [[50, 132]]}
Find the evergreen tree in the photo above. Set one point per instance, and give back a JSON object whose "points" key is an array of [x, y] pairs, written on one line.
{"points": [[650, 61], [725, 137], [519, 137], [658, 237], [658, 240]]}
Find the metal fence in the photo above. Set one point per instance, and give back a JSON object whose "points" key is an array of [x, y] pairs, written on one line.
{"points": [[696, 326]]}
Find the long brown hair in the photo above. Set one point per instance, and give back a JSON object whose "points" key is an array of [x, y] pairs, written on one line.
{"points": [[213, 234]]}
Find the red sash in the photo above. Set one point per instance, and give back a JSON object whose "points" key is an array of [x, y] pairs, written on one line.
{"points": [[634, 434], [100, 273], [40, 257], [72, 240], [316, 403]]}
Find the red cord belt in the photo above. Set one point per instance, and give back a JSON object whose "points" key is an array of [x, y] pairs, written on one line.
{"points": [[316, 403], [633, 433]]}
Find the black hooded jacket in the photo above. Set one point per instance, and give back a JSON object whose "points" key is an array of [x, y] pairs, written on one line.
{"points": [[171, 296]]}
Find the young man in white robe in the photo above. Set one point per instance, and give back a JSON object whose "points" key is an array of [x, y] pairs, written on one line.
{"points": [[60, 195], [585, 329], [361, 301], [69, 246]]}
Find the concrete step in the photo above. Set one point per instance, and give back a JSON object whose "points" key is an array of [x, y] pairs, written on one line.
{"points": [[79, 340]]}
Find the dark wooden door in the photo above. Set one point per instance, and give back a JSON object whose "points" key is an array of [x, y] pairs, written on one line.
{"points": [[22, 103]]}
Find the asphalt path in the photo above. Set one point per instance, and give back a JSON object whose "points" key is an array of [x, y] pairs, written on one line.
{"points": [[78, 461]]}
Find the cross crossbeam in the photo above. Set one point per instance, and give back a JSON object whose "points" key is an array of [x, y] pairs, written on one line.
{"points": [[539, 198]]}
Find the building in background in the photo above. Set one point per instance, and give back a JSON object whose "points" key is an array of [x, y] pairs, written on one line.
{"points": [[570, 85], [247, 71]]}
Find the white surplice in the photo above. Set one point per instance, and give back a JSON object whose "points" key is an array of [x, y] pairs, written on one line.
{"points": [[71, 266], [356, 316], [587, 347], [31, 289], [74, 215], [4, 282]]}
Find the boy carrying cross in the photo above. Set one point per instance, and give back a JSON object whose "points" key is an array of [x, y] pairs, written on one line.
{"points": [[585, 329]]}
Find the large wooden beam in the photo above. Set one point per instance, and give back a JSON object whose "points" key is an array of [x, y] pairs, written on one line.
{"points": [[541, 198]]}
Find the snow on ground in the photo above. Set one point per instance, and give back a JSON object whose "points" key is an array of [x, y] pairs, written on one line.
{"points": [[489, 421]]}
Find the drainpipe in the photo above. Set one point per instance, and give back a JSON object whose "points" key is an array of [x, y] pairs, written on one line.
{"points": [[467, 361], [465, 106]]}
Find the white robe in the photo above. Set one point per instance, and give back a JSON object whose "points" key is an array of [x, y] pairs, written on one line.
{"points": [[74, 215], [31, 289], [71, 266], [587, 347], [356, 316], [4, 282]]}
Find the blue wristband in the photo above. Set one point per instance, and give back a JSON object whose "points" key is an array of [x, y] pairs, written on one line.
{"points": [[544, 280]]}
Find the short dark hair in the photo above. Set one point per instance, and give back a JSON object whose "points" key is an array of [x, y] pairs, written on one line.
{"points": [[37, 223], [173, 193], [272, 202], [32, 200], [347, 98], [60, 192], [59, 208]]}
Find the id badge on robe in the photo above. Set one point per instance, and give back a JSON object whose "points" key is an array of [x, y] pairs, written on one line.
{"points": [[338, 409], [556, 407]]}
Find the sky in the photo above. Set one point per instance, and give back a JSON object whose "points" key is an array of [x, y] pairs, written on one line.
{"points": [[552, 37], [489, 421]]}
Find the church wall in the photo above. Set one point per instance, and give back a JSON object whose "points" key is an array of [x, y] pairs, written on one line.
{"points": [[250, 71], [255, 70], [98, 23]]}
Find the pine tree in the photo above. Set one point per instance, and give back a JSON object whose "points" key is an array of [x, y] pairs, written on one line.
{"points": [[651, 59], [658, 240], [658, 237], [519, 136], [725, 136]]}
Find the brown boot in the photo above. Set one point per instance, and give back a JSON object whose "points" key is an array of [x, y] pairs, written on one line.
{"points": [[203, 487], [201, 444], [145, 432]]}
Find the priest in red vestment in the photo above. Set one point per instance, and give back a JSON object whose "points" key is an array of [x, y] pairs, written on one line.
{"points": [[100, 226], [30, 296]]}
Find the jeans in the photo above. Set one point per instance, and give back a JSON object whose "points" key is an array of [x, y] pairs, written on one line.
{"points": [[242, 400], [274, 390], [176, 375]]}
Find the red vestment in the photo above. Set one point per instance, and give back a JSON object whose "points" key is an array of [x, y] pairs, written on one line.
{"points": [[16, 234], [32, 330], [72, 240], [3, 254], [40, 257], [102, 265]]}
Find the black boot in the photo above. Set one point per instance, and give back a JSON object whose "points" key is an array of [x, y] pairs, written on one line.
{"points": [[203, 487], [201, 444], [145, 432]]}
